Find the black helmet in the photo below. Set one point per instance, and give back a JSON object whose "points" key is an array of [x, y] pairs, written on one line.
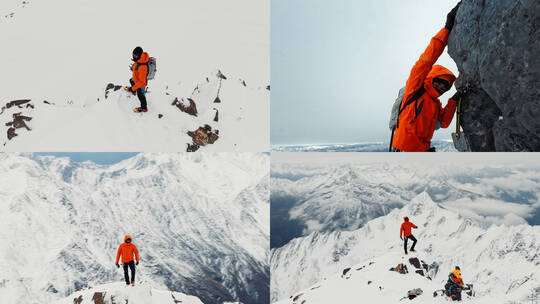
{"points": [[457, 267], [137, 52]]}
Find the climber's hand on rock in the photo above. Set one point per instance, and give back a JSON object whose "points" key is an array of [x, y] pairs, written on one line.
{"points": [[451, 17], [461, 92], [118, 266], [401, 238]]}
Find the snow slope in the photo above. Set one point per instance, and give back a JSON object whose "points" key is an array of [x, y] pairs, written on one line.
{"points": [[200, 222], [65, 52], [500, 261], [120, 293]]}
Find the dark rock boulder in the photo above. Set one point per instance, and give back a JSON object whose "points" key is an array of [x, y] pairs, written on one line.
{"points": [[495, 46]]}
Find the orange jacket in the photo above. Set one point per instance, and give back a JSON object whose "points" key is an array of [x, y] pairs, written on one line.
{"points": [[405, 229], [455, 275], [414, 134], [140, 72], [126, 250]]}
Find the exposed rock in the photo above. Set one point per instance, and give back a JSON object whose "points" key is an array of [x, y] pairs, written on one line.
{"points": [[160, 116], [495, 46], [297, 297], [400, 268], [345, 271], [415, 262], [113, 87], [217, 100], [216, 117], [11, 133], [192, 147], [268, 87], [19, 121], [99, 298], [221, 76], [212, 137], [420, 272], [203, 136], [191, 109], [17, 103], [78, 300]]}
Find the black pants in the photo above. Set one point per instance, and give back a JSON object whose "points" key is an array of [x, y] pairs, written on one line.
{"points": [[131, 266], [140, 94], [405, 243], [453, 290]]}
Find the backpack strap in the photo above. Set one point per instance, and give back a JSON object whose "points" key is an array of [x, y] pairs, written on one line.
{"points": [[414, 98]]}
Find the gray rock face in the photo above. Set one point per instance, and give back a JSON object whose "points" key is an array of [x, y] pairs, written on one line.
{"points": [[496, 45]]}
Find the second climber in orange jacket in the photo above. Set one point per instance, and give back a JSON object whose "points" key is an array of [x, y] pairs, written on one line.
{"points": [[140, 73], [405, 232], [127, 250], [421, 112]]}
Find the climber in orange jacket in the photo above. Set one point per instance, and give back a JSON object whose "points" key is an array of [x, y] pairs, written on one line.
{"points": [[139, 81], [454, 285], [405, 232], [421, 112], [127, 250]]}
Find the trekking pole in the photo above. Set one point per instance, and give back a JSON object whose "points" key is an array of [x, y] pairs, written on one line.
{"points": [[458, 119], [391, 140]]}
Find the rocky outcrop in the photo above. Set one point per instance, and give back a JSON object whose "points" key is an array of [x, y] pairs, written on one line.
{"points": [[495, 46], [191, 109], [202, 137]]}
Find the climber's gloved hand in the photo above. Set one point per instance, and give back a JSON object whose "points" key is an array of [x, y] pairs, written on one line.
{"points": [[451, 17], [137, 263], [118, 266], [462, 91], [401, 238]]}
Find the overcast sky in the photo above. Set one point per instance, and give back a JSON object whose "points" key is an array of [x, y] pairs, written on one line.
{"points": [[337, 66]]}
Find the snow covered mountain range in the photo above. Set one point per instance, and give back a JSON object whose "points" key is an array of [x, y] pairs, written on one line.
{"points": [[200, 222], [311, 197], [501, 261], [66, 61], [440, 145]]}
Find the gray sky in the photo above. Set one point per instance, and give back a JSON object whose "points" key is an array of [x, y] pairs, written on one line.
{"points": [[337, 66]]}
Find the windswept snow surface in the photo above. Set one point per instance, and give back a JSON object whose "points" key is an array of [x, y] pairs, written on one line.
{"points": [[120, 293], [502, 262], [65, 52], [200, 222]]}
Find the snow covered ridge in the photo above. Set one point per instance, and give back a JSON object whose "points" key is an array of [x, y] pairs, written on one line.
{"points": [[61, 59], [199, 221], [500, 261], [120, 293], [215, 115]]}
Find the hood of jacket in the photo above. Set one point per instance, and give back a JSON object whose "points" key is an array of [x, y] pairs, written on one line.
{"points": [[441, 72], [144, 58]]}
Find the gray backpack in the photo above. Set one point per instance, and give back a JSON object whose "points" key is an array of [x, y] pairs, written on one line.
{"points": [[395, 109], [151, 65]]}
